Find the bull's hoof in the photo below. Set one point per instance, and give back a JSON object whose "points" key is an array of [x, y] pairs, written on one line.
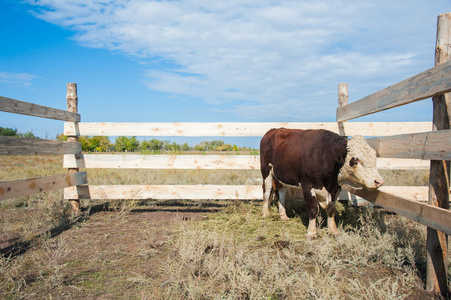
{"points": [[265, 214], [334, 234], [311, 237], [284, 218]]}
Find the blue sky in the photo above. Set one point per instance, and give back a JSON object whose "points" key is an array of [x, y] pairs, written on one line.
{"points": [[211, 61]]}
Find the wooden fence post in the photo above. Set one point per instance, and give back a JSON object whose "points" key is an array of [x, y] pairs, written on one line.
{"points": [[437, 242], [72, 106], [343, 97]]}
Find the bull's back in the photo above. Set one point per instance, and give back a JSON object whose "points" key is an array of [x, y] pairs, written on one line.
{"points": [[296, 153]]}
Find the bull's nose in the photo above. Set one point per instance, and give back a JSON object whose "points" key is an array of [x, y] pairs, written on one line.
{"points": [[379, 183]]}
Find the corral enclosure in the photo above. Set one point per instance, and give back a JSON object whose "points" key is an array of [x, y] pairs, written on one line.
{"points": [[399, 145]]}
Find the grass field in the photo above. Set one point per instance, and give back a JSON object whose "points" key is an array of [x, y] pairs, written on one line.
{"points": [[199, 250]]}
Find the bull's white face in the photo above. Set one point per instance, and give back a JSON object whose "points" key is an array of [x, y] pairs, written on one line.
{"points": [[359, 169]]}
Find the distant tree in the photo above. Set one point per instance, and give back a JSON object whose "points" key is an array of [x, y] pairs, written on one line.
{"points": [[199, 147], [85, 144], [214, 145], [224, 147], [185, 147], [174, 147], [144, 146], [91, 144], [156, 145], [13, 132], [8, 131], [125, 143], [100, 144], [61, 137], [28, 135]]}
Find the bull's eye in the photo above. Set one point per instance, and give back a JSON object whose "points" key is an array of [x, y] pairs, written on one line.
{"points": [[354, 161]]}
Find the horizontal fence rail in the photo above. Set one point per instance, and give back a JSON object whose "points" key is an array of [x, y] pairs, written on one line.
{"points": [[195, 129], [26, 187], [226, 162], [130, 161], [31, 109], [433, 145], [10, 145], [431, 216], [206, 192], [433, 82]]}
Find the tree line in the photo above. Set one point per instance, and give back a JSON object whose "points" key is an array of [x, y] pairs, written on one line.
{"points": [[132, 144], [153, 146]]}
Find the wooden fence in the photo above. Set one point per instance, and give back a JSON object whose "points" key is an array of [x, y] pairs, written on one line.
{"points": [[25, 146], [432, 145], [399, 145], [227, 162]]}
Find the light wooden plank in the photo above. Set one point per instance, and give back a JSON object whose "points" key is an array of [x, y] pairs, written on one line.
{"points": [[31, 109], [433, 82], [384, 163], [434, 217], [195, 129], [25, 187], [207, 162], [198, 192], [417, 193], [184, 129], [433, 145], [21, 146]]}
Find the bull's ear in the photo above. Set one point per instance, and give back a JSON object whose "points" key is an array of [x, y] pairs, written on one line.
{"points": [[341, 159], [354, 161], [340, 154]]}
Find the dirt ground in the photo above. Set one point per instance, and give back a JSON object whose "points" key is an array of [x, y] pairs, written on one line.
{"points": [[103, 255]]}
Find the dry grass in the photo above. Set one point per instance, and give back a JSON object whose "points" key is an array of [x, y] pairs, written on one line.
{"points": [[238, 255]]}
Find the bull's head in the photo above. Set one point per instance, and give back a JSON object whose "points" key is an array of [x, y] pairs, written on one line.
{"points": [[359, 169]]}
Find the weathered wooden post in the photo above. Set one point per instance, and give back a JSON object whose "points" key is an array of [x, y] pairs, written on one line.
{"points": [[437, 242], [343, 98], [72, 106]]}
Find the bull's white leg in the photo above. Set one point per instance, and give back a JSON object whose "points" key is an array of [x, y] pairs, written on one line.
{"points": [[324, 199], [330, 210], [282, 209], [311, 230], [267, 195]]}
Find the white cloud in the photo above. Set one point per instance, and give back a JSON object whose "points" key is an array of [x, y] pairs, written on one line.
{"points": [[266, 59], [17, 79]]}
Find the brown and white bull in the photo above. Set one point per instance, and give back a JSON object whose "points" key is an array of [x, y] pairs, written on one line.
{"points": [[318, 162]]}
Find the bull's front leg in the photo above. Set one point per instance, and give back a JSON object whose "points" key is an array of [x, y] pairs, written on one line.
{"points": [[330, 211], [327, 201], [312, 210]]}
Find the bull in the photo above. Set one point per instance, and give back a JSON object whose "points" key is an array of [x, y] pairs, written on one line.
{"points": [[319, 162]]}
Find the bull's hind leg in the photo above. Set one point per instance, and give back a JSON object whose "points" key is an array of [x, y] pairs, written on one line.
{"points": [[282, 207], [267, 193]]}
